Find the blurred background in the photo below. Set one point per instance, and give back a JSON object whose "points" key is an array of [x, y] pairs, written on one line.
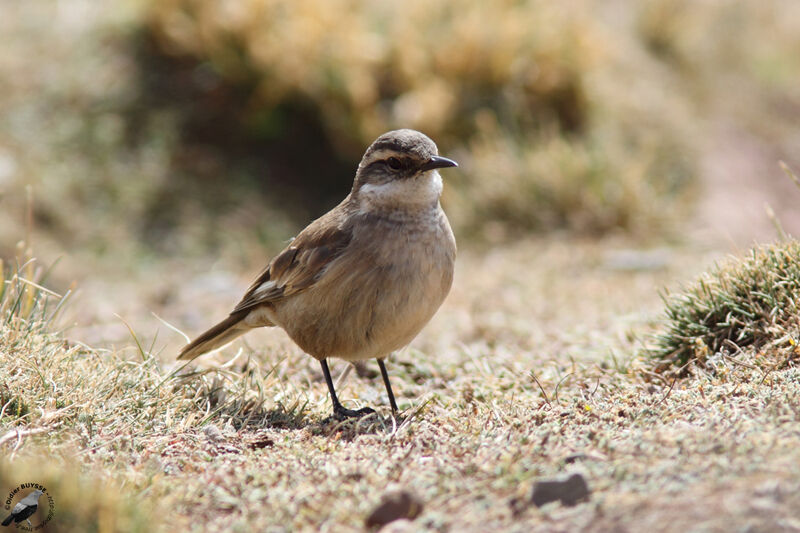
{"points": [[163, 150]]}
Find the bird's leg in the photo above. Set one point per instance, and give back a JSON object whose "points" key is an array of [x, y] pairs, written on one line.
{"points": [[338, 409], [28, 520], [388, 385]]}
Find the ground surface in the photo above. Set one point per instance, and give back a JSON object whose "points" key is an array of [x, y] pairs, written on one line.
{"points": [[529, 371], [526, 373]]}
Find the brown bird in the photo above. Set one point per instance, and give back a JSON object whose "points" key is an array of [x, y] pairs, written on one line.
{"points": [[362, 280]]}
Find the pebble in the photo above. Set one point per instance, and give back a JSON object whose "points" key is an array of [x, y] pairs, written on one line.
{"points": [[568, 491], [394, 506], [213, 433]]}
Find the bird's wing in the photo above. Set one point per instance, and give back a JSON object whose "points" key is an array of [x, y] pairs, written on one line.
{"points": [[21, 506], [299, 265]]}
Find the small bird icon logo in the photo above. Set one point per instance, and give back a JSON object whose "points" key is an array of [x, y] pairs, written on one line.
{"points": [[24, 509]]}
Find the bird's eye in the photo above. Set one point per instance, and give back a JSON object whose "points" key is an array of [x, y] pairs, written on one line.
{"points": [[394, 163]]}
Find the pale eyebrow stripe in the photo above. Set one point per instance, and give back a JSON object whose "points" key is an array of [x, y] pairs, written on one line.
{"points": [[383, 153]]}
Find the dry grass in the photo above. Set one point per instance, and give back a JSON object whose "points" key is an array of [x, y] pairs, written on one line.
{"points": [[583, 116], [548, 119], [533, 98], [523, 375]]}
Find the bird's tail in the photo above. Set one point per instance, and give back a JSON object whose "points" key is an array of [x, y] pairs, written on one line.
{"points": [[8, 520], [216, 337]]}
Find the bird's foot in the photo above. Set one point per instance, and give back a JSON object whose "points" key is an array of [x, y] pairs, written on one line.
{"points": [[340, 413]]}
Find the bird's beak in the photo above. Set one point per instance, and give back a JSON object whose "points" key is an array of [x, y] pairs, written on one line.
{"points": [[438, 161]]}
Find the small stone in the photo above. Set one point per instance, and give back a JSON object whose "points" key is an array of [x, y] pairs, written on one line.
{"points": [[213, 433], [518, 506], [260, 442], [568, 491], [583, 456], [394, 506], [363, 371]]}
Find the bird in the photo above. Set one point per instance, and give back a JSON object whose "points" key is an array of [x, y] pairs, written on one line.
{"points": [[24, 509], [361, 281]]}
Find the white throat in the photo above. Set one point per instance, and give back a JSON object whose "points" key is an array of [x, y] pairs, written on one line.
{"points": [[420, 191]]}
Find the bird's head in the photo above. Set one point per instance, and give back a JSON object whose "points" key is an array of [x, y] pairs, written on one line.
{"points": [[400, 168]]}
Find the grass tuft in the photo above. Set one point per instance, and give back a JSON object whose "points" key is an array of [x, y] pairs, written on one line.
{"points": [[50, 382], [26, 306], [749, 302]]}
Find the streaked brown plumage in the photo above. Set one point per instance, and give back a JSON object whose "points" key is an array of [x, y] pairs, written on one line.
{"points": [[362, 280]]}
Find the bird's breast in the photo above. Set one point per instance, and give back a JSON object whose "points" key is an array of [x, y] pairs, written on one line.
{"points": [[378, 295]]}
